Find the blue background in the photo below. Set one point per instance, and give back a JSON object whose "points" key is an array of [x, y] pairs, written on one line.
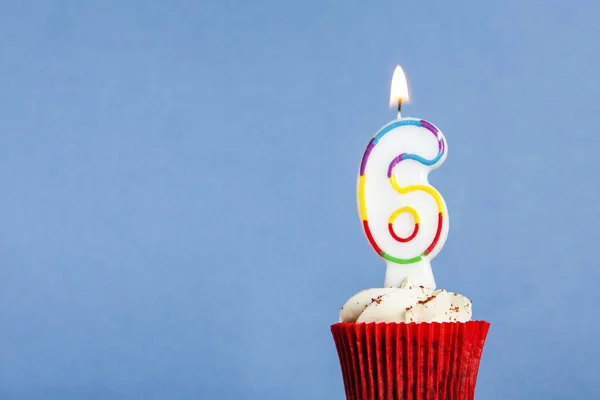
{"points": [[177, 206]]}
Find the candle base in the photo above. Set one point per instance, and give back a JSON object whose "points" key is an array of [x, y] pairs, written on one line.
{"points": [[418, 273]]}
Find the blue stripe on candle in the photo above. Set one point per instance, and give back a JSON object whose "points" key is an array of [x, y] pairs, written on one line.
{"points": [[421, 159], [395, 124]]}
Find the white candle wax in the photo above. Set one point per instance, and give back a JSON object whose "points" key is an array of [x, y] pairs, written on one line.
{"points": [[404, 218]]}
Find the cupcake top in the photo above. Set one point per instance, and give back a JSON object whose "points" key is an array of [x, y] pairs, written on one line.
{"points": [[408, 303]]}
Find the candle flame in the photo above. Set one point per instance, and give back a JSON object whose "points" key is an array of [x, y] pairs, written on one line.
{"points": [[399, 87]]}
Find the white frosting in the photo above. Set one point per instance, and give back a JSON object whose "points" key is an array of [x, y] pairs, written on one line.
{"points": [[408, 303]]}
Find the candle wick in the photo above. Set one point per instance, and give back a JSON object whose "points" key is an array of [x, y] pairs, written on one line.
{"points": [[399, 107]]}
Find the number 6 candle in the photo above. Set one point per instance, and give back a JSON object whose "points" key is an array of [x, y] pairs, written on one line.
{"points": [[404, 218]]}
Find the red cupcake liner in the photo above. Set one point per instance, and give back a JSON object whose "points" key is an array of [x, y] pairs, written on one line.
{"points": [[393, 361]]}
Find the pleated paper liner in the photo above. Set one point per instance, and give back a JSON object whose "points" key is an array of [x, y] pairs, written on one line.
{"points": [[402, 361]]}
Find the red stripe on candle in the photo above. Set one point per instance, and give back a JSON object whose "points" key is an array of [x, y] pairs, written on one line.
{"points": [[370, 237], [401, 239], [437, 235]]}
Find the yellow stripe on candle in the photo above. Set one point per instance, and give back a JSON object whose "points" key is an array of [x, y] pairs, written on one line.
{"points": [[361, 198], [428, 189], [405, 209]]}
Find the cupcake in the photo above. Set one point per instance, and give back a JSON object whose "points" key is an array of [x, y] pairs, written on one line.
{"points": [[407, 340]]}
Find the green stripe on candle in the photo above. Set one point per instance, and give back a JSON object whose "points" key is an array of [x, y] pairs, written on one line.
{"points": [[400, 260]]}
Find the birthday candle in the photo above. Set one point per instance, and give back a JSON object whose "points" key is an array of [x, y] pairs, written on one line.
{"points": [[404, 218]]}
